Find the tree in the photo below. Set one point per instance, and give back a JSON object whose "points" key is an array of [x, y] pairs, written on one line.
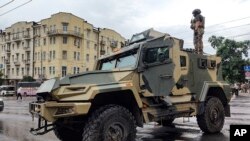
{"points": [[28, 79], [232, 53]]}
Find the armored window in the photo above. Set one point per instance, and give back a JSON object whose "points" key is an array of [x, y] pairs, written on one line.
{"points": [[202, 63], [154, 55], [211, 64], [183, 61]]}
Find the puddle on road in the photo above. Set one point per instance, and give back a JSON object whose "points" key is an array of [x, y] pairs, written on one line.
{"points": [[16, 128]]}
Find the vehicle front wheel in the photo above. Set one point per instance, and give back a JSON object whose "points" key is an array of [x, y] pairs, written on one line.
{"points": [[68, 130], [110, 123], [213, 117]]}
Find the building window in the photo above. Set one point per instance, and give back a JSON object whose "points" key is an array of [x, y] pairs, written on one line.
{"points": [[78, 56], [44, 56], [87, 69], [88, 33], [65, 27], [35, 70], [87, 57], [54, 40], [50, 55], [74, 55], [95, 57], [28, 71], [17, 71], [12, 71], [44, 41], [22, 71], [38, 57], [53, 70], [22, 57], [64, 54], [44, 70], [50, 70], [75, 29], [50, 40], [54, 54], [65, 40], [64, 71], [88, 44], [38, 70], [44, 29], [78, 70]]}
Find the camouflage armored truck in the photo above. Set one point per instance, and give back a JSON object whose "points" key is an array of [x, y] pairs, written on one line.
{"points": [[153, 79]]}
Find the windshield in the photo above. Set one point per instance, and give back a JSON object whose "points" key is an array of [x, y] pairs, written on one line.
{"points": [[8, 88], [137, 38], [126, 60]]}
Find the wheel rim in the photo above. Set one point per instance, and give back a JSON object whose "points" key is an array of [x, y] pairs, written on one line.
{"points": [[115, 132], [215, 116]]}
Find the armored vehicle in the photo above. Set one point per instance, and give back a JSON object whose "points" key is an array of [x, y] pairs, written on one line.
{"points": [[153, 79]]}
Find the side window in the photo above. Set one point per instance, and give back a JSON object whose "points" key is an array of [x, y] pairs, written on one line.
{"points": [[211, 64], [156, 55], [183, 61], [202, 63]]}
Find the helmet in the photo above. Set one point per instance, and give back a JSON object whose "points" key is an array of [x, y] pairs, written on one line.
{"points": [[196, 11]]}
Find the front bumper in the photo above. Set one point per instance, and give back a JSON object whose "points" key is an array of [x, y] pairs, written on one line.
{"points": [[50, 111]]}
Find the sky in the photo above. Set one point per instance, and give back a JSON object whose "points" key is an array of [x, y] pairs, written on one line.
{"points": [[128, 17]]}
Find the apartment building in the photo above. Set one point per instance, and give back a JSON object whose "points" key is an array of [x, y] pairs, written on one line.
{"points": [[16, 47], [54, 47]]}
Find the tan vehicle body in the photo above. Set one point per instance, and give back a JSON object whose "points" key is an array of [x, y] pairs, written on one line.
{"points": [[176, 86]]}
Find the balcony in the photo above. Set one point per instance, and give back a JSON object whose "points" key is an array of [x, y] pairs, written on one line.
{"points": [[7, 39], [27, 62], [16, 62], [7, 61], [26, 36], [61, 32], [16, 39], [7, 50], [27, 48]]}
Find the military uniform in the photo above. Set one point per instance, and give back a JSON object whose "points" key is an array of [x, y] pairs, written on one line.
{"points": [[197, 24]]}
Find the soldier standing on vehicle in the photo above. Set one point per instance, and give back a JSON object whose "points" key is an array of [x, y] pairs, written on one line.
{"points": [[198, 24]]}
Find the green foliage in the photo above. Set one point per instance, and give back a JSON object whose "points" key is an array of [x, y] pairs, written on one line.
{"points": [[28, 79], [232, 53]]}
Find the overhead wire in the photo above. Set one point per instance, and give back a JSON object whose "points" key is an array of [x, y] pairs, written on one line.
{"points": [[15, 7], [7, 3]]}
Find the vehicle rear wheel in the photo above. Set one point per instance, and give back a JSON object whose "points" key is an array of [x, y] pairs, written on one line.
{"points": [[68, 130], [213, 117], [166, 122], [110, 123]]}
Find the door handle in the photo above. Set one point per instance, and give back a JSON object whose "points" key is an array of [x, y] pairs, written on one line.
{"points": [[166, 76]]}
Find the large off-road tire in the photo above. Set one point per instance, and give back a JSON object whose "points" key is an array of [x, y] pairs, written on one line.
{"points": [[167, 122], [213, 117], [68, 131], [110, 123]]}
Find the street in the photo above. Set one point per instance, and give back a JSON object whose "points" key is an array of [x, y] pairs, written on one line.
{"points": [[15, 123]]}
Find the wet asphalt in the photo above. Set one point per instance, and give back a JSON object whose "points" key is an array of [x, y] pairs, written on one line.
{"points": [[15, 123]]}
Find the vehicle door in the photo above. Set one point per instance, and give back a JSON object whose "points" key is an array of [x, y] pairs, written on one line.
{"points": [[157, 73]]}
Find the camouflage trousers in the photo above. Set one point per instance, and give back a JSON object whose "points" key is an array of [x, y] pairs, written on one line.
{"points": [[198, 44]]}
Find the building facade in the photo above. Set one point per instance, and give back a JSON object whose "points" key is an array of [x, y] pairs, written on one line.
{"points": [[54, 47]]}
